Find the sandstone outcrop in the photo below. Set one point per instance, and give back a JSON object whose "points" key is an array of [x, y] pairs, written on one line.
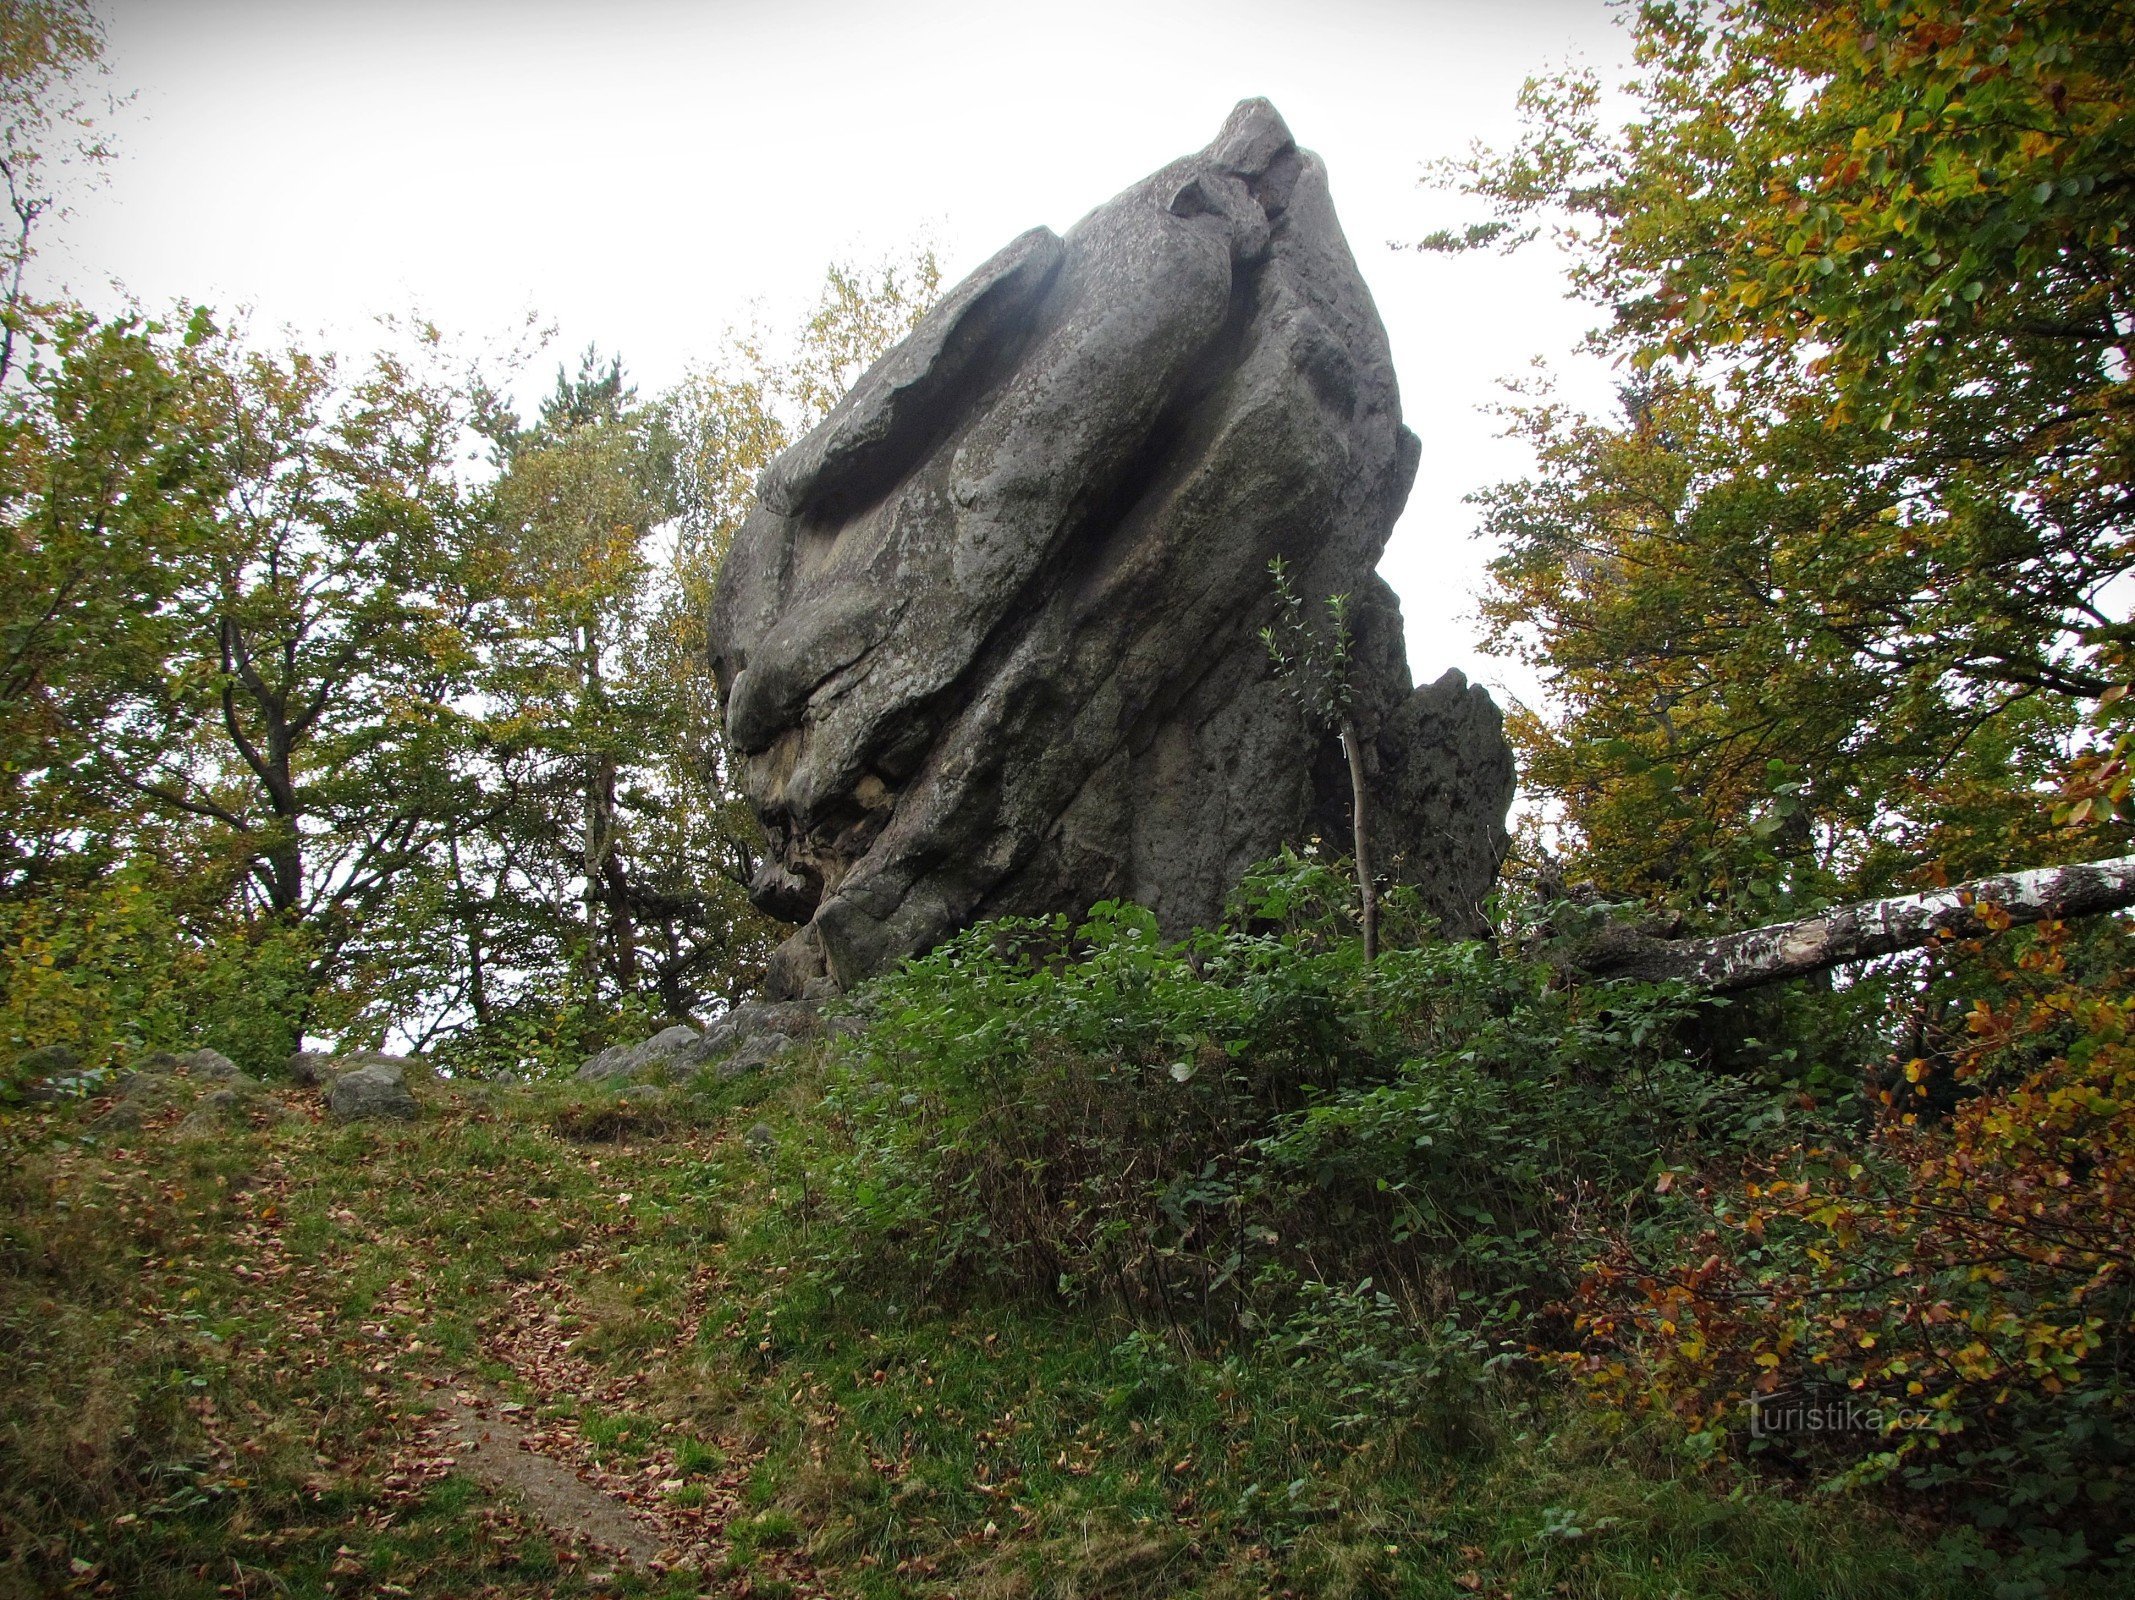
{"points": [[988, 642]]}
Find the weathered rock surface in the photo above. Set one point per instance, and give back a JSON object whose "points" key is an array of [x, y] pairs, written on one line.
{"points": [[49, 1073], [988, 643], [754, 1019], [208, 1066], [669, 1055], [379, 1089], [221, 1108], [164, 1076], [317, 1069], [754, 1054], [750, 1036]]}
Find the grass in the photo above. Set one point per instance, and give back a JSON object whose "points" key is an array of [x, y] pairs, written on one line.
{"points": [[212, 1351]]}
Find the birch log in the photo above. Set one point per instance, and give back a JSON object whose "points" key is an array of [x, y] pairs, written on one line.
{"points": [[1867, 928]]}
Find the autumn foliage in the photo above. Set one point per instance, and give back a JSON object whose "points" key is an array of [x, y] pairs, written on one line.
{"points": [[1837, 605], [1959, 1278]]}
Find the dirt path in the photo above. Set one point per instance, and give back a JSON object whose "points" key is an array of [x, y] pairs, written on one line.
{"points": [[531, 1336], [489, 1445], [641, 1508]]}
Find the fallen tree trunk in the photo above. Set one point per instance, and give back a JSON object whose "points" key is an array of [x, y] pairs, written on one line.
{"points": [[1868, 928]]}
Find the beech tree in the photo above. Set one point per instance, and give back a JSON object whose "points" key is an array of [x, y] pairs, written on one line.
{"points": [[616, 864], [1866, 513]]}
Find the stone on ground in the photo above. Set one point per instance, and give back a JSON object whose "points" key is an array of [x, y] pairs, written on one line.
{"points": [[379, 1089], [317, 1069], [751, 1035], [668, 1056]]}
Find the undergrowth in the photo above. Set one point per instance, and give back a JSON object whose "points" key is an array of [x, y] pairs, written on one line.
{"points": [[1094, 1266]]}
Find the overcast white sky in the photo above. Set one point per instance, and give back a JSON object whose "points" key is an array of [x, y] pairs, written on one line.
{"points": [[644, 172]]}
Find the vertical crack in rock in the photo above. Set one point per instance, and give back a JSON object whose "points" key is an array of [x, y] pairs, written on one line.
{"points": [[989, 641]]}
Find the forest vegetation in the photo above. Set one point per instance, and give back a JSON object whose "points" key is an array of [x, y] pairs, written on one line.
{"points": [[340, 703]]}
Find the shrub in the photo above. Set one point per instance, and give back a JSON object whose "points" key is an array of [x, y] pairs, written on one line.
{"points": [[1955, 1284], [1210, 1131], [112, 970]]}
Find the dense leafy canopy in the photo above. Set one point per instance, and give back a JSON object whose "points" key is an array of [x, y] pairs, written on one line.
{"points": [[1867, 512], [1840, 602], [342, 676]]}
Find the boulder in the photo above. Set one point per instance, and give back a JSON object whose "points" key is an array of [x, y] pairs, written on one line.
{"points": [[669, 1055], [126, 1116], [211, 1066], [757, 1029], [164, 1077], [378, 1089], [755, 1053], [317, 1069], [782, 1019], [207, 1066], [989, 641], [216, 1110], [48, 1061], [147, 1085]]}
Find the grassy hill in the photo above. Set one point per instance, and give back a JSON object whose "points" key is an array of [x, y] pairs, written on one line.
{"points": [[1227, 1269], [225, 1348]]}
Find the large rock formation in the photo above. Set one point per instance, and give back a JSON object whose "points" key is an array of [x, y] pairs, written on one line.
{"points": [[989, 642]]}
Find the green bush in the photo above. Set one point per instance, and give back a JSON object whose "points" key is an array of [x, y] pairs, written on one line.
{"points": [[113, 971], [1212, 1132]]}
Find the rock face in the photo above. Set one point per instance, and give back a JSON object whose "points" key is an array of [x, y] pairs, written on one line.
{"points": [[988, 643]]}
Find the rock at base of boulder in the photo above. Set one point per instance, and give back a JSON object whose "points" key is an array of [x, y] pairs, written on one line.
{"points": [[125, 1117], [216, 1110], [755, 1053], [211, 1065], [755, 1019], [753, 1034], [165, 1078], [377, 1090], [43, 1073], [317, 1069], [48, 1061], [206, 1066], [669, 1055]]}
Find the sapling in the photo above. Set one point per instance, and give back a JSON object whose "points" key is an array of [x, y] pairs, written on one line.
{"points": [[1314, 668]]}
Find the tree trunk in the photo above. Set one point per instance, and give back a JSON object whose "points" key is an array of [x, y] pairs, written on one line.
{"points": [[622, 925], [1868, 928], [593, 852], [1360, 816], [471, 929], [593, 856]]}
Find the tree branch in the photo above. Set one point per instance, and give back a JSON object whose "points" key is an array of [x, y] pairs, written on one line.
{"points": [[1865, 929]]}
